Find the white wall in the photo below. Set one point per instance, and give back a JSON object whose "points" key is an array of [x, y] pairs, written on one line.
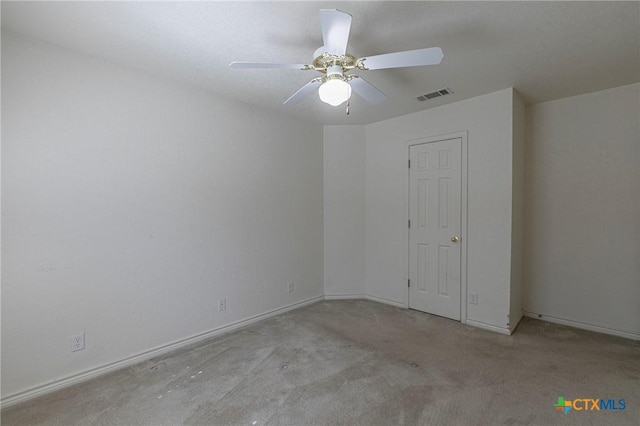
{"points": [[488, 121], [130, 205], [517, 225], [344, 226], [583, 210]]}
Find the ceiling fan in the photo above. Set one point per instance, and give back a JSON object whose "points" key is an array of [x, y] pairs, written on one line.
{"points": [[332, 59]]}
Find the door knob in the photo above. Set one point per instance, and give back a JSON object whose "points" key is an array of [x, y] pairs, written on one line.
{"points": [[455, 239]]}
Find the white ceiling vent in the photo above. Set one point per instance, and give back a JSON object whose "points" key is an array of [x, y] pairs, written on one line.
{"points": [[436, 94]]}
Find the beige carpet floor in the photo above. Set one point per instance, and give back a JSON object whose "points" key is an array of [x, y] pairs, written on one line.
{"points": [[358, 362]]}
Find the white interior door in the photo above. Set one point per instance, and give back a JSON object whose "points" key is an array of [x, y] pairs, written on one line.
{"points": [[434, 227]]}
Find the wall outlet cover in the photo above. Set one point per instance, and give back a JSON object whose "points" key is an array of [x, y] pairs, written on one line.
{"points": [[77, 342]]}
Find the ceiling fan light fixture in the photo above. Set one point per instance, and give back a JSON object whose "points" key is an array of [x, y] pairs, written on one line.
{"points": [[334, 91], [332, 59]]}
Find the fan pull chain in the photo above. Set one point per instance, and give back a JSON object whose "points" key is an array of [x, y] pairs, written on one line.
{"points": [[347, 107]]}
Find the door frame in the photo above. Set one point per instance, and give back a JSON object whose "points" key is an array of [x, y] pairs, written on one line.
{"points": [[463, 136]]}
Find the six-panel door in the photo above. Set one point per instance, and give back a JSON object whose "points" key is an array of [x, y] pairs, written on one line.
{"points": [[435, 224]]}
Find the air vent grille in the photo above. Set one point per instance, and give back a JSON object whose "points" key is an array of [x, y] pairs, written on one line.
{"points": [[436, 94]]}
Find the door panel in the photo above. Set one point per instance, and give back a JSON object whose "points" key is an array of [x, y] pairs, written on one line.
{"points": [[435, 218]]}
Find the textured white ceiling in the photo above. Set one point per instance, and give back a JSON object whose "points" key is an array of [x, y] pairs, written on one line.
{"points": [[546, 50]]}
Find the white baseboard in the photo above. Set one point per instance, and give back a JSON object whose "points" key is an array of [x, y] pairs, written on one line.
{"points": [[364, 297], [585, 326], [490, 327], [512, 327], [143, 356], [343, 296], [386, 301], [501, 330]]}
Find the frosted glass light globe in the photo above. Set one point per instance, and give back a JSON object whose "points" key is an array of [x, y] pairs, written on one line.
{"points": [[334, 92]]}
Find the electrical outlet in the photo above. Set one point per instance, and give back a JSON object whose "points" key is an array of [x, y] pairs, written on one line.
{"points": [[222, 305], [290, 287], [473, 298], [77, 342]]}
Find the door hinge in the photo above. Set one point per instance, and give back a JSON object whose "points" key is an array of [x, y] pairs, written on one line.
{"points": [[409, 223], [409, 163], [408, 283]]}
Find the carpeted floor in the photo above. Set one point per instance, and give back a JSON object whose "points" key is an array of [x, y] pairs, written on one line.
{"points": [[360, 362]]}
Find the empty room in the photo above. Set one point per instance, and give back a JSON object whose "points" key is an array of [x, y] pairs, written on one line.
{"points": [[330, 213]]}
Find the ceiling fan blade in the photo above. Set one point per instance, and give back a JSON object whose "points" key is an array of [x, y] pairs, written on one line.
{"points": [[336, 26], [303, 92], [366, 90], [267, 65], [409, 58]]}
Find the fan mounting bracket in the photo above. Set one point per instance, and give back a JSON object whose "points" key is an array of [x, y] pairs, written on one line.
{"points": [[326, 60]]}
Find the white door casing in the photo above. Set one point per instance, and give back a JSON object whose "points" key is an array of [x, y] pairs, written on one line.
{"points": [[435, 233]]}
